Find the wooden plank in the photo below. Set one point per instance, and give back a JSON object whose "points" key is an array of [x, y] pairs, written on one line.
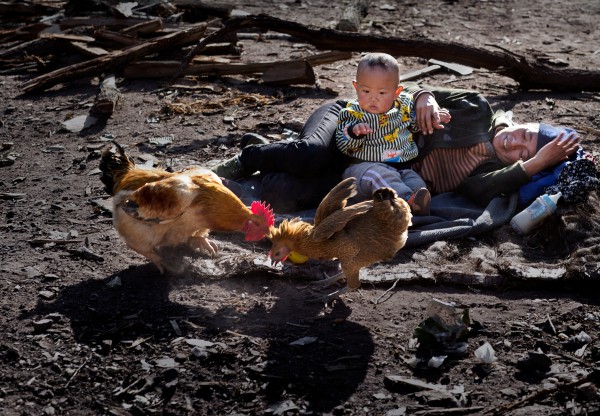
{"points": [[67, 36], [24, 32], [99, 21], [150, 26], [116, 37], [160, 69], [419, 73], [89, 50], [287, 73]]}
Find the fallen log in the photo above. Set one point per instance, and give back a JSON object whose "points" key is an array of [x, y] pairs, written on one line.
{"points": [[114, 59], [529, 75]]}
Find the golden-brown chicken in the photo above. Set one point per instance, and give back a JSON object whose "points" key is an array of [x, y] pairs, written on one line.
{"points": [[154, 209], [357, 235]]}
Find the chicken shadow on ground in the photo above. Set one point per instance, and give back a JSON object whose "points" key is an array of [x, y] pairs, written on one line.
{"points": [[317, 353]]}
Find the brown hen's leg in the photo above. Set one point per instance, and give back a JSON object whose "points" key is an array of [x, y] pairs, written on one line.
{"points": [[155, 258], [204, 245], [352, 272]]}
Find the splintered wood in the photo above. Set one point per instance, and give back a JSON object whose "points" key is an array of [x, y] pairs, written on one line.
{"points": [[186, 106]]}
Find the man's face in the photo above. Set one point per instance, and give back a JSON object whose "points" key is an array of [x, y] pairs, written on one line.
{"points": [[515, 143]]}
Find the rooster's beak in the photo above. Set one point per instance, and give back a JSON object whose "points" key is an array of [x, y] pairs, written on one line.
{"points": [[273, 262]]}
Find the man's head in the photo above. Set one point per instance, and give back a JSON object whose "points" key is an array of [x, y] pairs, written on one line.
{"points": [[518, 142], [376, 84], [523, 141]]}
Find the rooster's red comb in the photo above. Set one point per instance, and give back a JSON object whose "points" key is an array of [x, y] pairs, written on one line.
{"points": [[264, 210]]}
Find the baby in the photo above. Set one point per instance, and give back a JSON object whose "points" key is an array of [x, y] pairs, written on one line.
{"points": [[377, 128]]}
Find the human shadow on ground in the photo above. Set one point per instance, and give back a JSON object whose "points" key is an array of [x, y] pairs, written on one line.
{"points": [[323, 370]]}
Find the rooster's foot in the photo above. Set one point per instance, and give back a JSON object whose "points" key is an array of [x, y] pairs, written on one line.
{"points": [[329, 281], [328, 298]]}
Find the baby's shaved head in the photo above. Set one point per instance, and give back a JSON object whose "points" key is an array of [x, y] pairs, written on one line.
{"points": [[379, 60]]}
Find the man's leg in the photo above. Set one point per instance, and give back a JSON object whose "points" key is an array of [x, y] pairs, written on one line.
{"points": [[311, 154], [287, 193]]}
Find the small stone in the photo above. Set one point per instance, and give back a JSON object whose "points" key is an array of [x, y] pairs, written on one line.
{"points": [[508, 392], [46, 294], [534, 362], [166, 362], [42, 325], [50, 277], [588, 391], [50, 411]]}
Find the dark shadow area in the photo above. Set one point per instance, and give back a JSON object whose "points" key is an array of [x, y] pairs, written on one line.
{"points": [[110, 320]]}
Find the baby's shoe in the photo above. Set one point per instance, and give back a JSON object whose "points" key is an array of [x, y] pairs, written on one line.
{"points": [[419, 202]]}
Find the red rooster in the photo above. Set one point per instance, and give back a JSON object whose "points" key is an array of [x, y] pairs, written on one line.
{"points": [[154, 209]]}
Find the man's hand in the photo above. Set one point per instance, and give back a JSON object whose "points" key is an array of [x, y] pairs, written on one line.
{"points": [[558, 150], [429, 114]]}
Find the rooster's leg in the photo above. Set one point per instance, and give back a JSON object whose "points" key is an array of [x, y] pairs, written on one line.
{"points": [[332, 296], [328, 297], [329, 281], [350, 272]]}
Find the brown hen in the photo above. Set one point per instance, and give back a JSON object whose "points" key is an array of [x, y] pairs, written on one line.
{"points": [[155, 209], [357, 235]]}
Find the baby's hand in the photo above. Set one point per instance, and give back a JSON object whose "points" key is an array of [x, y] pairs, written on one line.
{"points": [[361, 129]]}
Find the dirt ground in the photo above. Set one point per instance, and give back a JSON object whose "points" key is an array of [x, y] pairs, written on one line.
{"points": [[91, 328]]}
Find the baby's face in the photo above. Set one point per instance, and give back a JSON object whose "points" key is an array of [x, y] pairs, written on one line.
{"points": [[376, 89]]}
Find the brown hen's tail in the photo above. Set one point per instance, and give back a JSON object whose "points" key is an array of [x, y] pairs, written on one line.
{"points": [[113, 165], [383, 194]]}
